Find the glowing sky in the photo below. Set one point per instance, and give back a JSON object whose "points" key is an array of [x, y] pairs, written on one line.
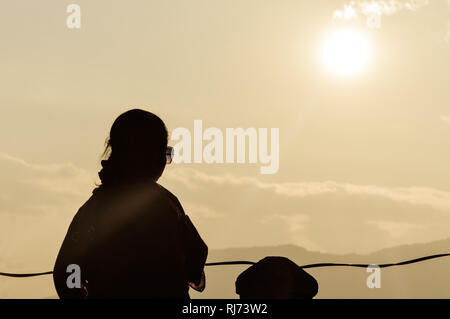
{"points": [[363, 158]]}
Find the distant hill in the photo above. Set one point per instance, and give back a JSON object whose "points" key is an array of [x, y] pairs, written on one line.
{"points": [[428, 279]]}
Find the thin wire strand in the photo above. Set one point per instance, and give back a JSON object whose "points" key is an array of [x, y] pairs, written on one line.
{"points": [[412, 261], [241, 262], [25, 275]]}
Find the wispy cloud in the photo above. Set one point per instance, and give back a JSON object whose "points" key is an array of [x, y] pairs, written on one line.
{"points": [[413, 195], [318, 215], [373, 10], [396, 229], [200, 210], [60, 178], [37, 203], [34, 189]]}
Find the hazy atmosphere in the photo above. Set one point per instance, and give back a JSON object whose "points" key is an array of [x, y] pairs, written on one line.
{"points": [[362, 104]]}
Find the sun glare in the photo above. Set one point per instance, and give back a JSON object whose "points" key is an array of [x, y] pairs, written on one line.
{"points": [[346, 52]]}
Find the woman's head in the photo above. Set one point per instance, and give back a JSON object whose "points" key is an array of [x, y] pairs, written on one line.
{"points": [[137, 148]]}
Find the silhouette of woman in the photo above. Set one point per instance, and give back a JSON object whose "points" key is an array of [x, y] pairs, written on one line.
{"points": [[132, 239]]}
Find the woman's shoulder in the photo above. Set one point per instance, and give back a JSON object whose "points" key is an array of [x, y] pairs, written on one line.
{"points": [[151, 192], [171, 197]]}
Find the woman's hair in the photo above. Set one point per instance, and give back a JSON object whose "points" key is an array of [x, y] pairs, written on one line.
{"points": [[136, 148]]}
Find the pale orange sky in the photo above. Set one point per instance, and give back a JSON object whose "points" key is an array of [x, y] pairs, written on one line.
{"points": [[363, 160]]}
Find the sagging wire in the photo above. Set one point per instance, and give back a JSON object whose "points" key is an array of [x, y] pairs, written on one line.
{"points": [[240, 262]]}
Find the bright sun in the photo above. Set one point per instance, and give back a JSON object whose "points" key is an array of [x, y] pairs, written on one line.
{"points": [[346, 52]]}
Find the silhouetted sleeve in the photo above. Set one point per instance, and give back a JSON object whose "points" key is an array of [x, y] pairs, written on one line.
{"points": [[67, 255], [73, 251], [197, 252]]}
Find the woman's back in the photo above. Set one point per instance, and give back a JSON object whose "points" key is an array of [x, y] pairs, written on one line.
{"points": [[132, 241]]}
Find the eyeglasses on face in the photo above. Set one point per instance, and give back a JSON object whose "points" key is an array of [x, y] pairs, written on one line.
{"points": [[169, 154]]}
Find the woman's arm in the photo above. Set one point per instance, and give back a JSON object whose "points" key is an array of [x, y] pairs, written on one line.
{"points": [[197, 252], [72, 252]]}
